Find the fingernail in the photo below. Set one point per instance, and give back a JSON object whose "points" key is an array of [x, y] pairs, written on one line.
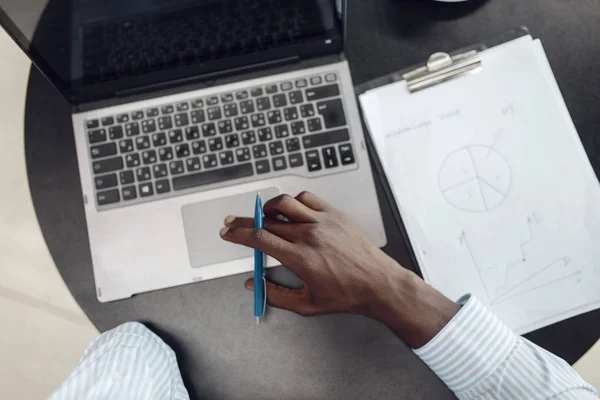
{"points": [[249, 284], [224, 231], [229, 219]]}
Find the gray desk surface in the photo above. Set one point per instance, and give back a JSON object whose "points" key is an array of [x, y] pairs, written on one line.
{"points": [[221, 354]]}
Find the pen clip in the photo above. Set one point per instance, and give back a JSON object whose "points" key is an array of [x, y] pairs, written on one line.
{"points": [[265, 296]]}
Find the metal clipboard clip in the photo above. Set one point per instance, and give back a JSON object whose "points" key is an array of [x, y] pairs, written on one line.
{"points": [[441, 67]]}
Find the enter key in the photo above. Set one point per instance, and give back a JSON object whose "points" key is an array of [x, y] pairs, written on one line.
{"points": [[332, 112]]}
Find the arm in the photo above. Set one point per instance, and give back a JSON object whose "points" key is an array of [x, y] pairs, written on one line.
{"points": [[343, 272]]}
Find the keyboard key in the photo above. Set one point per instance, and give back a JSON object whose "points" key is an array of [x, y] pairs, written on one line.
{"points": [[159, 139], [115, 132], [193, 164], [316, 80], [227, 98], [129, 193], [108, 121], [149, 157], [258, 120], [182, 150], [247, 106], [175, 136], [211, 101], [332, 112], [326, 138], [225, 126], [346, 154], [176, 167], [167, 109], [199, 147], [163, 186], [214, 113], [279, 100], [126, 145], [271, 89], [142, 142], [256, 92], [279, 163], [107, 165], [230, 110], [314, 124], [330, 157], [296, 160], [197, 103], [137, 115], [183, 106], [241, 123], [103, 150], [331, 77], [215, 176], [181, 119], [143, 174], [159, 170], [192, 132], [259, 151], [307, 110], [146, 189], [215, 144], [296, 97], [292, 144], [132, 129], [290, 113], [298, 128], [276, 148], [313, 160], [243, 154], [232, 141], [209, 161], [198, 116], [108, 197], [286, 86], [265, 134], [152, 112], [322, 92], [274, 117], [132, 160], [209, 129], [92, 124], [96, 136], [226, 157], [122, 118], [248, 137], [105, 181], [126, 177], [262, 167], [301, 83], [241, 95], [263, 103], [148, 126], [165, 153], [165, 123]]}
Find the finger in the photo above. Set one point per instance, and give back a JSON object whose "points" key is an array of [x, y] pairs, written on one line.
{"points": [[290, 208], [262, 240], [313, 201], [295, 300], [281, 229]]}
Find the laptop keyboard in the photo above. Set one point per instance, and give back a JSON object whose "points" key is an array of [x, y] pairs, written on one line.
{"points": [[290, 127]]}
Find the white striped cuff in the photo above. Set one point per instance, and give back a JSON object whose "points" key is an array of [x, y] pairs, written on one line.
{"points": [[469, 348]]}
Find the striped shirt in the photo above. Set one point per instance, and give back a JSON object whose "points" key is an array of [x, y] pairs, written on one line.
{"points": [[475, 355]]}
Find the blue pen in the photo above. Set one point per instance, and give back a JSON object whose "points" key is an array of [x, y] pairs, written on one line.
{"points": [[259, 265]]}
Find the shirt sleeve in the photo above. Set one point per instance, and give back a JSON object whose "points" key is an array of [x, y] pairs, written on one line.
{"points": [[478, 357]]}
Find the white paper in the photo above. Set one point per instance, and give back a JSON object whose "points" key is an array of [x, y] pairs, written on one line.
{"points": [[494, 187]]}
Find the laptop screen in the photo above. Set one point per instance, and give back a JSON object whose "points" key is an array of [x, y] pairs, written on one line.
{"points": [[94, 49]]}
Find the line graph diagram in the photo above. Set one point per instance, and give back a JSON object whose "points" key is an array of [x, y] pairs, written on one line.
{"points": [[505, 281], [475, 178]]}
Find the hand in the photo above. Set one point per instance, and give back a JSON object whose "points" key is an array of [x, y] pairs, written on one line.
{"points": [[342, 271]]}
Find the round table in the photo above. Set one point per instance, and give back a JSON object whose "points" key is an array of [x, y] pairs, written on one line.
{"points": [[341, 356]]}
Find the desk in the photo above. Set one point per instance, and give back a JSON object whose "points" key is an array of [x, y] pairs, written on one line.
{"points": [[342, 356]]}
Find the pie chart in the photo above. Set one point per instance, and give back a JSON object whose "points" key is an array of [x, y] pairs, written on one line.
{"points": [[475, 178]]}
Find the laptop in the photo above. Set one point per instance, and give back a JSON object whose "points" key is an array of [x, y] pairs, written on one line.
{"points": [[183, 110]]}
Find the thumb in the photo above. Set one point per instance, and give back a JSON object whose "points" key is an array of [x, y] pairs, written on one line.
{"points": [[295, 300]]}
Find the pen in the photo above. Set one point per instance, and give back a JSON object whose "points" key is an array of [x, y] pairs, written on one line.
{"points": [[259, 259]]}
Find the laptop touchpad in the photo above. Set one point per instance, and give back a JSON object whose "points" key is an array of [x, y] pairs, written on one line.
{"points": [[204, 220]]}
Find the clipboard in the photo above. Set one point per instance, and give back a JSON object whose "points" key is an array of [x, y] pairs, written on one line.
{"points": [[440, 68]]}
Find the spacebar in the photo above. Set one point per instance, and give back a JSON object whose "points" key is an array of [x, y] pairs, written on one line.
{"points": [[215, 176]]}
